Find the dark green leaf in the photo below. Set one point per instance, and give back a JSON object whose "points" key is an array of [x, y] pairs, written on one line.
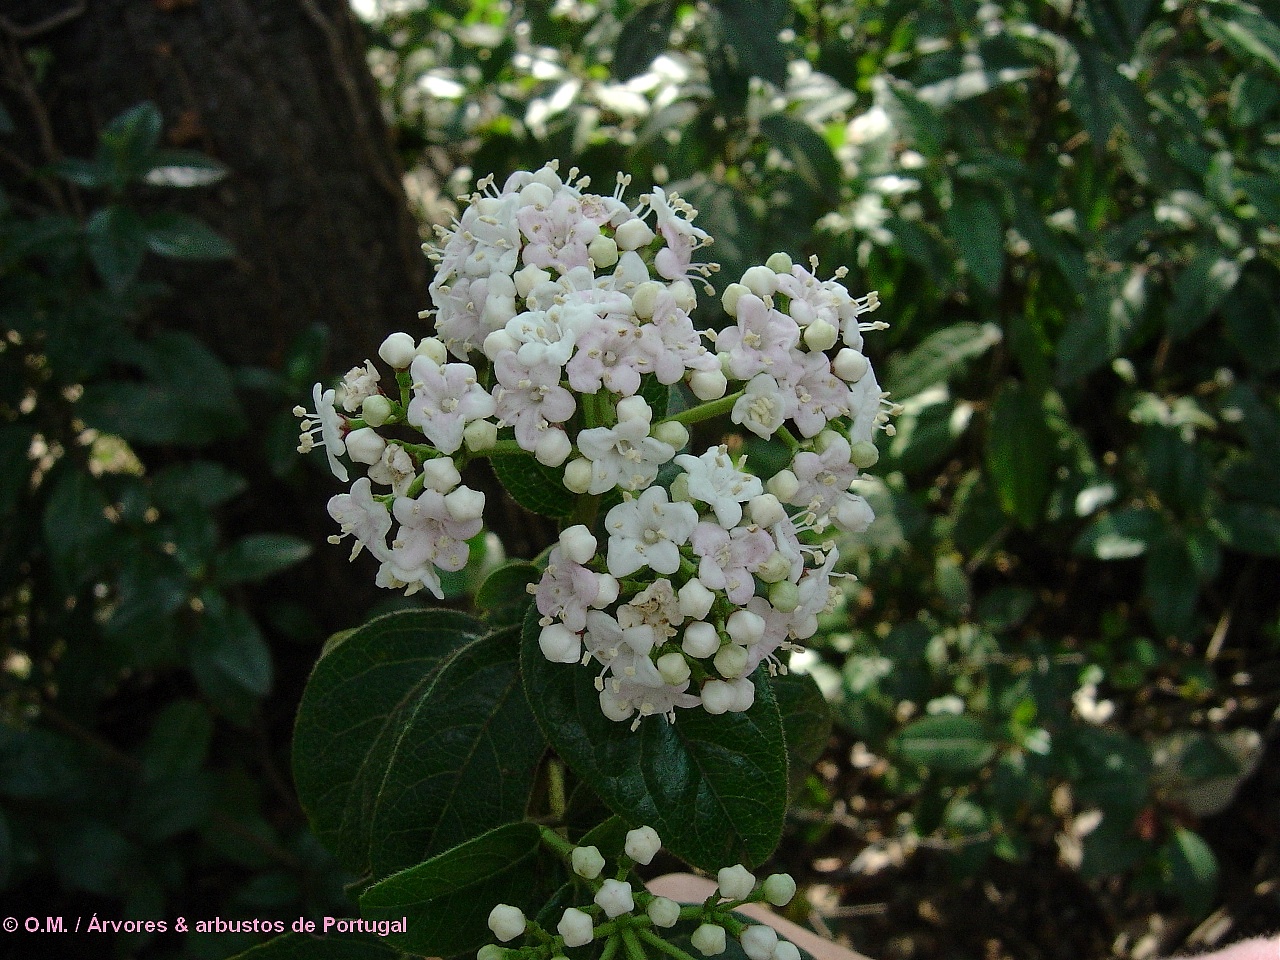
{"points": [[180, 237], [228, 655], [1113, 307], [806, 721], [178, 742], [1200, 290], [448, 899], [1253, 96], [714, 787], [749, 38], [260, 555], [505, 586], [128, 142], [975, 223], [15, 464], [1020, 453], [1108, 769], [76, 528], [183, 168], [200, 483], [940, 357], [947, 742], [1005, 607], [1195, 870], [1249, 527], [1171, 586], [363, 777], [806, 151], [83, 173], [334, 946], [116, 240], [1243, 29], [645, 35], [1121, 535], [533, 486]]}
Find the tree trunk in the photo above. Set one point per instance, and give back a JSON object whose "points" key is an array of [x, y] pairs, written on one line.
{"points": [[277, 90]]}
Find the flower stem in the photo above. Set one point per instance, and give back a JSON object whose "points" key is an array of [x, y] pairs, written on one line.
{"points": [[670, 949], [555, 788], [632, 944], [610, 948], [704, 411]]}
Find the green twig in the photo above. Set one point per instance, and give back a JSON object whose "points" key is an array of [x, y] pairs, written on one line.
{"points": [[670, 949], [704, 411]]}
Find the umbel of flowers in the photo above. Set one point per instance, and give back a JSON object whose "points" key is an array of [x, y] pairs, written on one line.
{"points": [[562, 319], [627, 919]]}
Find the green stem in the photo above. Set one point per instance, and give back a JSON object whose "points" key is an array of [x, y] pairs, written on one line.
{"points": [[556, 843], [670, 949], [555, 789], [632, 943], [704, 411], [610, 948], [785, 435]]}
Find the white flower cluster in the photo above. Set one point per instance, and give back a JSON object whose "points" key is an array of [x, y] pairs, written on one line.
{"points": [[617, 907], [554, 307]]}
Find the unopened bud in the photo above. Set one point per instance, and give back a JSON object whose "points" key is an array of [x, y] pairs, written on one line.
{"points": [[577, 475], [695, 600], [587, 862], [761, 281], [578, 543], [820, 335], [552, 448], [784, 485], [603, 252], [708, 384], [863, 454], [365, 446], [709, 939], [663, 912], [685, 296], [613, 708], [433, 349], [785, 950], [735, 883], [614, 898], [480, 435], [529, 277], [731, 660], [732, 294], [674, 668], [779, 263], [398, 350], [778, 889], [464, 504], [576, 927], [376, 410], [634, 408], [850, 365], [633, 235], [608, 591], [440, 474], [645, 298], [777, 567], [745, 627], [700, 640], [506, 922], [560, 644], [758, 941], [784, 596], [498, 343], [673, 433], [642, 844], [766, 510], [717, 697], [744, 694]]}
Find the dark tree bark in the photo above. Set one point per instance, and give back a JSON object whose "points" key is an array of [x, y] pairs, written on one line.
{"points": [[277, 90]]}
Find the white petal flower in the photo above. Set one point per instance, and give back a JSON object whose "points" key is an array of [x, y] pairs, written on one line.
{"points": [[614, 898], [762, 407], [648, 532], [445, 400], [330, 423], [720, 483], [623, 456]]}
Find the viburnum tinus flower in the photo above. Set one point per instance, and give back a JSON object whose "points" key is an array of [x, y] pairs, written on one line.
{"points": [[561, 319]]}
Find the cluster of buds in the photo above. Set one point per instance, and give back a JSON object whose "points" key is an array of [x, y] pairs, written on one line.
{"points": [[554, 308], [620, 913]]}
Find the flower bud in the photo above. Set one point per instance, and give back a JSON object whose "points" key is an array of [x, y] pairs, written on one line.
{"points": [[674, 668], [587, 862], [633, 235], [776, 568], [608, 592], [398, 350], [685, 296], [376, 410], [634, 408], [766, 510], [614, 898], [664, 912], [731, 660], [820, 335], [758, 941], [761, 281], [745, 627], [853, 514], [863, 454], [801, 312], [736, 882], [779, 263], [695, 601], [825, 439], [850, 365], [433, 349], [744, 694], [552, 448], [480, 435], [577, 475], [784, 596], [779, 888], [613, 708], [708, 384], [578, 544], [680, 489], [491, 951], [644, 299], [673, 433], [783, 485], [464, 504], [440, 474], [498, 343], [560, 644], [700, 640], [529, 277], [709, 939], [576, 928], [365, 446], [603, 252], [642, 844], [732, 294], [785, 950], [717, 697], [506, 922], [537, 194]]}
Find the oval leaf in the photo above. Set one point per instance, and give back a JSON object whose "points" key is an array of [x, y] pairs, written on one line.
{"points": [[714, 788], [533, 486], [956, 744]]}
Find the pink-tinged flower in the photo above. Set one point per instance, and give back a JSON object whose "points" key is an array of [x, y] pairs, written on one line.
{"points": [[395, 469], [530, 399], [762, 407], [682, 237], [815, 597], [761, 342], [623, 455], [362, 517], [613, 351], [446, 398], [330, 425], [484, 241], [813, 299], [656, 607], [824, 477], [728, 558], [820, 395], [718, 482], [358, 384], [677, 347], [557, 233], [867, 406], [428, 537], [566, 591], [648, 532]]}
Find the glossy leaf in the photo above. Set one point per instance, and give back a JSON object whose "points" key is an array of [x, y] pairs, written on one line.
{"points": [[1020, 453], [940, 357], [533, 486], [715, 788], [180, 237], [259, 556], [947, 742], [447, 899], [117, 241]]}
